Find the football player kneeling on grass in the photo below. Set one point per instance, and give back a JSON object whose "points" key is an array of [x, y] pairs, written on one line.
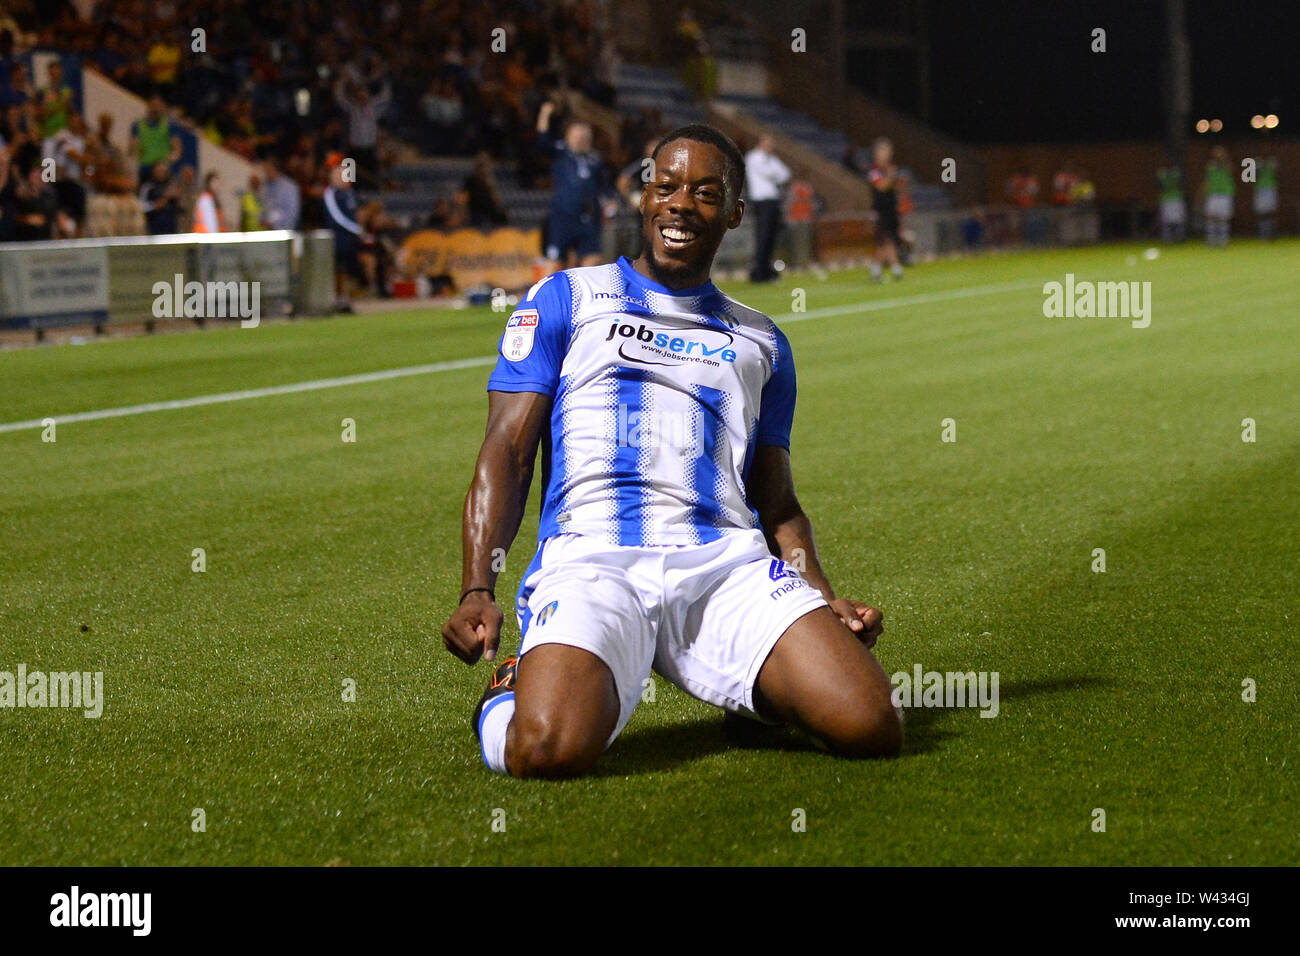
{"points": [[670, 535]]}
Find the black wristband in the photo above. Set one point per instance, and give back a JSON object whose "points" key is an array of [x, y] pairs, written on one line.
{"points": [[490, 592]]}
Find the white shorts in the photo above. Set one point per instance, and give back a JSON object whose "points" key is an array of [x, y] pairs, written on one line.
{"points": [[1173, 211], [1218, 207], [1265, 201], [704, 616]]}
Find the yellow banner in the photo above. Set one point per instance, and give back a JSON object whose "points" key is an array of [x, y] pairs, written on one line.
{"points": [[502, 258]]}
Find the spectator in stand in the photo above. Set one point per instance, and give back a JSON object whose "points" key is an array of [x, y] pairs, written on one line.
{"points": [[18, 91], [109, 59], [164, 61], [68, 150], [38, 208], [54, 103], [107, 169], [280, 197], [188, 188], [765, 176], [160, 201], [208, 217], [700, 71], [363, 112], [250, 206], [484, 199], [601, 83], [6, 55], [8, 197], [154, 138], [444, 107], [16, 128], [451, 212]]}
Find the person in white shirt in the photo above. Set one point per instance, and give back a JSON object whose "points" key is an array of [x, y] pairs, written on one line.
{"points": [[765, 175], [67, 150]]}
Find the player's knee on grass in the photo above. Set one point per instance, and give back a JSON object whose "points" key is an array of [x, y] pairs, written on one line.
{"points": [[541, 747], [566, 708], [821, 678], [868, 728]]}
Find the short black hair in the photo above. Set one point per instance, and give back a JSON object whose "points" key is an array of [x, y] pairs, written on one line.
{"points": [[734, 175]]}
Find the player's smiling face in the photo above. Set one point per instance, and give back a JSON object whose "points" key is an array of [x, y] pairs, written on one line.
{"points": [[685, 212]]}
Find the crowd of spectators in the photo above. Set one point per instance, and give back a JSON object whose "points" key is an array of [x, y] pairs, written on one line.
{"points": [[299, 83], [458, 76]]}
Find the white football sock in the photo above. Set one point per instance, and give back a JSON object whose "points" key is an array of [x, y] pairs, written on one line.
{"points": [[492, 730]]}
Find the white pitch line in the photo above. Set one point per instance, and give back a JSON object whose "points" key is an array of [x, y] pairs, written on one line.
{"points": [[223, 397], [920, 299], [364, 377]]}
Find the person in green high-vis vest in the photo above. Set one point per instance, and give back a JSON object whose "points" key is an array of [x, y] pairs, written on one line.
{"points": [[1173, 207], [1220, 191], [1265, 197], [154, 138]]}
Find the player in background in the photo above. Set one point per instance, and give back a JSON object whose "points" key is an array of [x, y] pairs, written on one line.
{"points": [[1219, 191], [581, 193], [1265, 197], [884, 179], [1173, 207], [670, 535]]}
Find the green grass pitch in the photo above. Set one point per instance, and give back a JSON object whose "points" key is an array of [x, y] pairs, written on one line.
{"points": [[330, 561]]}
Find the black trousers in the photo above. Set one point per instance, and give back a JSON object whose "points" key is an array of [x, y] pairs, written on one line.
{"points": [[767, 219]]}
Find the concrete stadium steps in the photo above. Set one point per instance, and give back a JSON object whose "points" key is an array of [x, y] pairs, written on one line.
{"points": [[419, 185], [829, 143], [641, 86]]}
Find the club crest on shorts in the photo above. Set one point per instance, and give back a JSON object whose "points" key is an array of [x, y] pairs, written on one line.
{"points": [[521, 329], [780, 569], [545, 613]]}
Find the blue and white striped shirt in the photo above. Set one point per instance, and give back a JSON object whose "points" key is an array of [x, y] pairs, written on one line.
{"points": [[660, 399]]}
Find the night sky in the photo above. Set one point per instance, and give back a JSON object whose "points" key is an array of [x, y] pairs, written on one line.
{"points": [[1023, 70]]}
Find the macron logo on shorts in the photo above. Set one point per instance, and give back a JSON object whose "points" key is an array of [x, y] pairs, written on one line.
{"points": [[778, 570]]}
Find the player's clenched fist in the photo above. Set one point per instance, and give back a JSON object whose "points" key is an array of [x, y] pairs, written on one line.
{"points": [[474, 628], [866, 622]]}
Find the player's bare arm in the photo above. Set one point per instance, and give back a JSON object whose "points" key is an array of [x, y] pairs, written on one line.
{"points": [[494, 508], [789, 535]]}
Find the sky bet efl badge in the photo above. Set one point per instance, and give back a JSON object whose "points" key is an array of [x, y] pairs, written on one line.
{"points": [[520, 332]]}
